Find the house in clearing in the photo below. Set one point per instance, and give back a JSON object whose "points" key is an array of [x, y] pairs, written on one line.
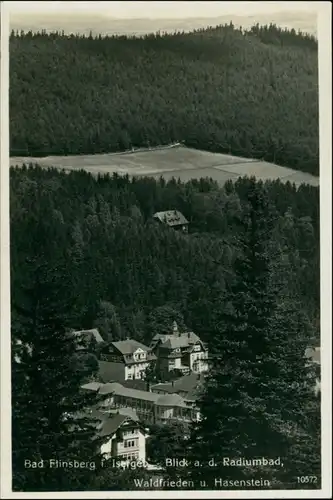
{"points": [[172, 218]]}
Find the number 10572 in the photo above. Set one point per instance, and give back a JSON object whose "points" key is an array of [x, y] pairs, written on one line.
{"points": [[307, 479]]}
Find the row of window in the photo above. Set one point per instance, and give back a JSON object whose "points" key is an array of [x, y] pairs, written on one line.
{"points": [[129, 456], [146, 408], [137, 357], [130, 443], [129, 433], [137, 376], [134, 403]]}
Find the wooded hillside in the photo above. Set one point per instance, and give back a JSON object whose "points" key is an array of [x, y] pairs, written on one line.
{"points": [[252, 93], [114, 253]]}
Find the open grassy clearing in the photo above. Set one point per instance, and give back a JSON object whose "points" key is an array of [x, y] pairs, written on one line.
{"points": [[177, 161]]}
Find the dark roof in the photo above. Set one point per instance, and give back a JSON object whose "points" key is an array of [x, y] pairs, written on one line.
{"points": [[170, 400], [110, 388], [109, 371], [115, 388], [171, 217], [107, 423], [138, 384], [111, 423], [181, 340], [92, 386], [136, 394], [186, 384], [89, 335], [119, 389], [129, 346]]}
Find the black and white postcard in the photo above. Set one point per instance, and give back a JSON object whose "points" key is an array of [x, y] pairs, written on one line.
{"points": [[165, 249]]}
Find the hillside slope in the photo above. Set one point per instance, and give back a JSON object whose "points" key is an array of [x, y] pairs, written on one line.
{"points": [[248, 94], [173, 161]]}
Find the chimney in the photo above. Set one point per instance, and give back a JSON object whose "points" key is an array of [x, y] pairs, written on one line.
{"points": [[174, 327]]}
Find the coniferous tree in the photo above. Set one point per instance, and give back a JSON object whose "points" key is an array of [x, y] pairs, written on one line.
{"points": [[245, 403], [49, 420], [153, 277], [299, 416]]}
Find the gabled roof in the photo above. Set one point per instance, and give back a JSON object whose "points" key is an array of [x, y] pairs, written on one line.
{"points": [[107, 423], [88, 335], [120, 390], [111, 423], [129, 346], [128, 412], [186, 384], [181, 340], [171, 217], [136, 394], [92, 386], [162, 337]]}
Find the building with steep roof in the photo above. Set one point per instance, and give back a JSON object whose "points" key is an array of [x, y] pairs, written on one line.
{"points": [[183, 351], [172, 218], [150, 407], [188, 386], [123, 436], [86, 339], [133, 356]]}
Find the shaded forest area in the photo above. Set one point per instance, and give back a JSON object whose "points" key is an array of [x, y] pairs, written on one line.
{"points": [[86, 252], [249, 93], [121, 267]]}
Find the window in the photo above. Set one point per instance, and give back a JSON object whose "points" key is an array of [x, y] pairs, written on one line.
{"points": [[128, 433], [130, 444]]}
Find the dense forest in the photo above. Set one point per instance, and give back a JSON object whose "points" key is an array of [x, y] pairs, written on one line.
{"points": [[86, 252], [251, 93], [117, 256]]}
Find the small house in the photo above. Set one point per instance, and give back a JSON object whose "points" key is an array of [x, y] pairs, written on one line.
{"points": [[172, 218], [86, 339]]}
